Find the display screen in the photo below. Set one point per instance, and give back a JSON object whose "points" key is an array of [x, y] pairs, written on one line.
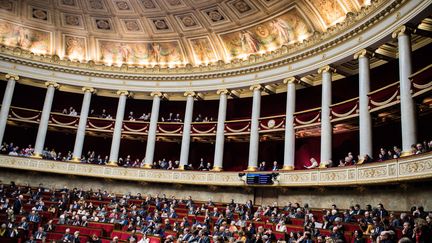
{"points": [[259, 179]]}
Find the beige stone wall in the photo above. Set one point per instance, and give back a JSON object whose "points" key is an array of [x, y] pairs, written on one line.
{"points": [[398, 198], [394, 197]]}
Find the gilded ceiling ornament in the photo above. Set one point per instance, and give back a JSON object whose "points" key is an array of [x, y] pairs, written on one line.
{"points": [[40, 14], [188, 21], [103, 24], [72, 20], [215, 16], [69, 2], [96, 4], [148, 4], [241, 6], [160, 24], [122, 5], [132, 25], [174, 2], [6, 5]]}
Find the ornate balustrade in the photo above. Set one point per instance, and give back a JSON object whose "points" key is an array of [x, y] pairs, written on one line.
{"points": [[379, 99], [404, 169], [421, 81], [384, 97]]}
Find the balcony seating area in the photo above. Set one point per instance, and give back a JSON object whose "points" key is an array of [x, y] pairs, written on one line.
{"points": [[164, 219]]}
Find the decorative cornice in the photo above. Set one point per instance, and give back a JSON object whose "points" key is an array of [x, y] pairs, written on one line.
{"points": [[53, 84], [89, 89], [12, 76], [363, 53]]}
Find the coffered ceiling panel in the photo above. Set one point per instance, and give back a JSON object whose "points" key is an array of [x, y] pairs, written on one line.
{"points": [[164, 32]]}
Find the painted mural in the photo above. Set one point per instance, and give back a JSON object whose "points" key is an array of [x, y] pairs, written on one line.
{"points": [[34, 40], [267, 36], [331, 11], [75, 47], [203, 50], [140, 52]]}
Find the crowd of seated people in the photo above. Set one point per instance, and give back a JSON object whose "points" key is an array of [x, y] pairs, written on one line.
{"points": [[92, 158], [71, 111], [200, 118], [171, 117], [40, 213]]}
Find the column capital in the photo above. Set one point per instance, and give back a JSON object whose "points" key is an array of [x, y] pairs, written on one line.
{"points": [[326, 69], [156, 93], [12, 76], [190, 93], [291, 80], [223, 91], [256, 87], [88, 89], [123, 92], [402, 30], [53, 84], [363, 53]]}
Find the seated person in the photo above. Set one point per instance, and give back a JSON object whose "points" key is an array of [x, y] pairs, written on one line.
{"points": [[262, 166], [314, 164]]}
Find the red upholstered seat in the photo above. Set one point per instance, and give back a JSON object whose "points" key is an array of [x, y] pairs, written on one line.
{"points": [[279, 235], [83, 230], [107, 228]]}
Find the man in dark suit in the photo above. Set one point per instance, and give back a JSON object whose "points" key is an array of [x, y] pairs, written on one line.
{"points": [[39, 234], [18, 204], [275, 166], [203, 237]]}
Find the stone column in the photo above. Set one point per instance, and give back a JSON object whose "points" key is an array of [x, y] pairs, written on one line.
{"points": [[289, 148], [254, 130], [408, 109], [365, 120], [80, 135], [326, 127], [151, 138], [7, 99], [43, 123], [220, 131], [116, 139], [184, 152]]}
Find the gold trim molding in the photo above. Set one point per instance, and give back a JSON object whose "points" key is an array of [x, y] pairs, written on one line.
{"points": [[12, 76], [404, 169], [363, 53], [53, 84], [89, 89]]}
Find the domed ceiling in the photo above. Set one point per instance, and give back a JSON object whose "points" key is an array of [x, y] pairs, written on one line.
{"points": [[164, 32]]}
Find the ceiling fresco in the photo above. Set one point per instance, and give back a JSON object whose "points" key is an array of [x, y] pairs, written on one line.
{"points": [[164, 32]]}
